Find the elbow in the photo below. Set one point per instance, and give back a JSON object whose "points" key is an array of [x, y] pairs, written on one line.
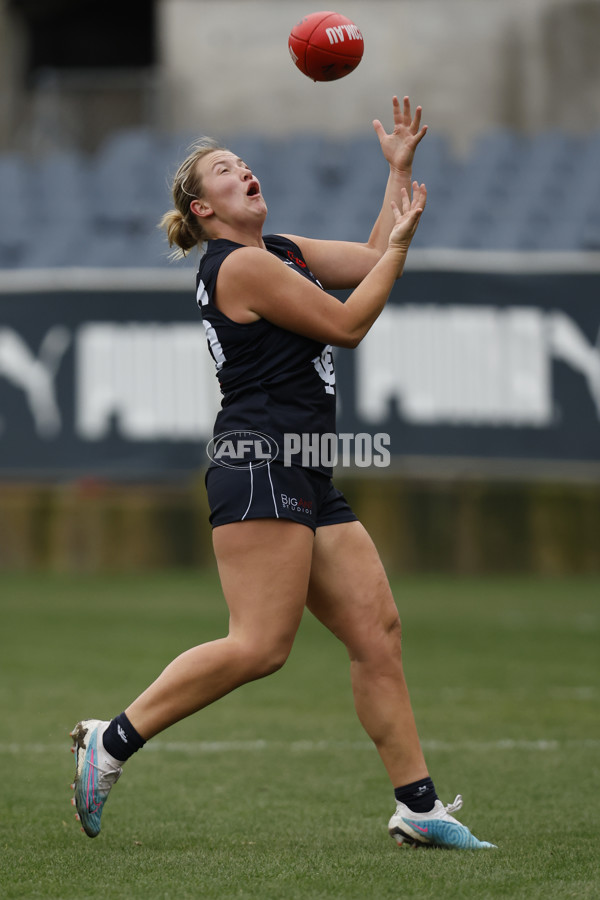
{"points": [[349, 341], [349, 331], [351, 336], [354, 341]]}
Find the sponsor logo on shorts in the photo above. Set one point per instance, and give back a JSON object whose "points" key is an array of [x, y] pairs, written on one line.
{"points": [[297, 504], [235, 449]]}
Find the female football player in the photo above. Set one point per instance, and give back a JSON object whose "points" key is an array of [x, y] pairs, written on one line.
{"points": [[284, 537]]}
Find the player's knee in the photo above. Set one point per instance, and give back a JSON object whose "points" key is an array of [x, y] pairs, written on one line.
{"points": [[391, 638], [273, 663], [379, 645], [393, 629], [266, 658]]}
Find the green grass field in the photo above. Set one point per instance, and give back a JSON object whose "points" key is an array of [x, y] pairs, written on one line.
{"points": [[274, 792]]}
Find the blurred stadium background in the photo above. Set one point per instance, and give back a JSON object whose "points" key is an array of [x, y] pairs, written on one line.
{"points": [[485, 370]]}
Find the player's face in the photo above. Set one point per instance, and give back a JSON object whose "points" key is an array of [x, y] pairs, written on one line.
{"points": [[229, 189]]}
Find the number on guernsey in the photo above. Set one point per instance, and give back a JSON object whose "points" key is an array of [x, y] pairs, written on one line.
{"points": [[325, 369]]}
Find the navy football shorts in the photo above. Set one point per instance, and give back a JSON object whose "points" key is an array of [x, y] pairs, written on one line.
{"points": [[275, 491]]}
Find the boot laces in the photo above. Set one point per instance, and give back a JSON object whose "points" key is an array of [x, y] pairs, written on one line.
{"points": [[107, 775], [455, 805]]}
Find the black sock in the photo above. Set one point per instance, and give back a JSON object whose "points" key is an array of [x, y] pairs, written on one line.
{"points": [[419, 796], [121, 739]]}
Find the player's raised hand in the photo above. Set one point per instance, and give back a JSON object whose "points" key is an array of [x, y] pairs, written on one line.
{"points": [[399, 146], [407, 217]]}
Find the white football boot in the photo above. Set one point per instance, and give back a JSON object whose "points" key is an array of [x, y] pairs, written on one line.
{"points": [[436, 828]]}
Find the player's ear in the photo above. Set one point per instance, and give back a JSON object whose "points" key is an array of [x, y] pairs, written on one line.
{"points": [[200, 208]]}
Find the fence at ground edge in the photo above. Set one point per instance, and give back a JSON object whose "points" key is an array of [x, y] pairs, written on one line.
{"points": [[458, 527]]}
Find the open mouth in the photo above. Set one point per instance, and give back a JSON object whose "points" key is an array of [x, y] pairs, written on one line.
{"points": [[254, 189]]}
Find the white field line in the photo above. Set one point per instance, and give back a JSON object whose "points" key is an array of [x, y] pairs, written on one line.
{"points": [[199, 748]]}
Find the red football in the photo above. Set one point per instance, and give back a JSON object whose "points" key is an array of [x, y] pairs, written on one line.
{"points": [[326, 46]]}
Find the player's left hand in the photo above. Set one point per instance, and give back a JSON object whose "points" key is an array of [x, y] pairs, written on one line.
{"points": [[399, 146], [407, 216]]}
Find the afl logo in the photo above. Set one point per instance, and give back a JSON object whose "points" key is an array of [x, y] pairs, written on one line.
{"points": [[235, 449]]}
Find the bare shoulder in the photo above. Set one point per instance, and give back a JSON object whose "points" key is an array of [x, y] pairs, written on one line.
{"points": [[251, 281], [248, 262], [245, 256]]}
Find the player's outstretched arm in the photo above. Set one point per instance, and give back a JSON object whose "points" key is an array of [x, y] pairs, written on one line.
{"points": [[398, 148], [254, 284], [344, 264]]}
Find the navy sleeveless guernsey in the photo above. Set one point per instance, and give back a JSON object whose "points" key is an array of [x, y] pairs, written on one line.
{"points": [[273, 381]]}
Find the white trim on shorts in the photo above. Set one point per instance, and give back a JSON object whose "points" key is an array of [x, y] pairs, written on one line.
{"points": [[272, 491], [252, 492]]}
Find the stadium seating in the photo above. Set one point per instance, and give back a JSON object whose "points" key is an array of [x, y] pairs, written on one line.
{"points": [[510, 192], [17, 219]]}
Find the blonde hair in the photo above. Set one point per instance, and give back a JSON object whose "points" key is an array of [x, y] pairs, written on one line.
{"points": [[184, 229]]}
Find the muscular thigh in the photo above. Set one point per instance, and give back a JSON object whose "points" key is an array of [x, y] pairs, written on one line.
{"points": [[349, 591], [264, 566]]}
